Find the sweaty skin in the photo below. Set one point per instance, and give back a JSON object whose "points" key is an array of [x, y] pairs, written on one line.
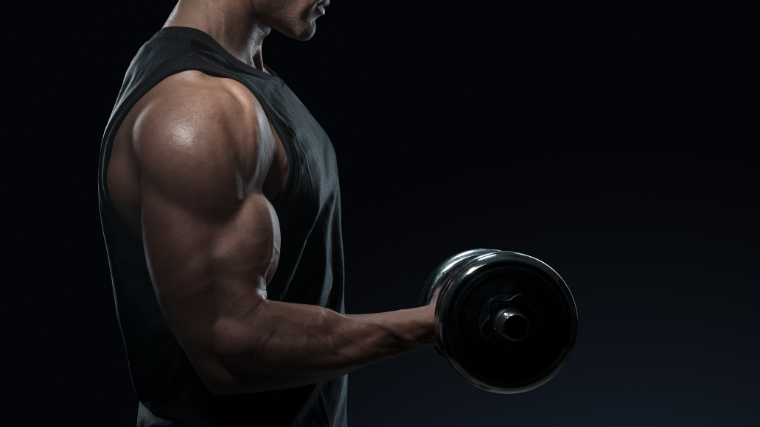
{"points": [[193, 169]]}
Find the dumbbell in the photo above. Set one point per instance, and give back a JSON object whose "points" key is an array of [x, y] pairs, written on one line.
{"points": [[507, 321]]}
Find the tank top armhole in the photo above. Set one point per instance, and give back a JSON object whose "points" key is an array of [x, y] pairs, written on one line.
{"points": [[171, 67]]}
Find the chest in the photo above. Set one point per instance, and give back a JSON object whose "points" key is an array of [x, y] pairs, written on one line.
{"points": [[312, 169]]}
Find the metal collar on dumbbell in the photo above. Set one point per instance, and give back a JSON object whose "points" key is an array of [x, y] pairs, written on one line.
{"points": [[509, 322]]}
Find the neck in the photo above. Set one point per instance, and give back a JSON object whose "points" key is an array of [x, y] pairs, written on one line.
{"points": [[233, 24]]}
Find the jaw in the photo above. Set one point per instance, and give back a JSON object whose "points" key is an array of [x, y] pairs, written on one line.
{"points": [[300, 26], [303, 33]]}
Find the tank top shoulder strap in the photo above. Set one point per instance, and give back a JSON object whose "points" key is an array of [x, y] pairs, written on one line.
{"points": [[170, 51]]}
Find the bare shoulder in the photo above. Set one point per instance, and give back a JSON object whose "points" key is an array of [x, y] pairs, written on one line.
{"points": [[188, 103], [199, 135]]}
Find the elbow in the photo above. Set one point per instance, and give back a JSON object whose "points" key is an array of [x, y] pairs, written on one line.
{"points": [[220, 380], [218, 383], [224, 368]]}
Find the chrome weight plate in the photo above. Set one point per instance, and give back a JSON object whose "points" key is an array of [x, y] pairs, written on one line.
{"points": [[507, 321]]}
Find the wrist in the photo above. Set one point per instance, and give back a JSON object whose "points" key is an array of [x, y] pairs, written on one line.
{"points": [[431, 325]]}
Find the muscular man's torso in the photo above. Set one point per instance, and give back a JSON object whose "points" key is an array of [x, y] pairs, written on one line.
{"points": [[280, 165]]}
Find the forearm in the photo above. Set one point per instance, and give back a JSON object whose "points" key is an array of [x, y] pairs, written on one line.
{"points": [[285, 345]]}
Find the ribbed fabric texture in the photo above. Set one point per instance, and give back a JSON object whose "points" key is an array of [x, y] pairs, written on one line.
{"points": [[310, 269]]}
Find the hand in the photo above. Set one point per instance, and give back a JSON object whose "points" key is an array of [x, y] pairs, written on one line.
{"points": [[433, 317]]}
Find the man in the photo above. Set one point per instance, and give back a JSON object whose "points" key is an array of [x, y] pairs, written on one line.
{"points": [[220, 208]]}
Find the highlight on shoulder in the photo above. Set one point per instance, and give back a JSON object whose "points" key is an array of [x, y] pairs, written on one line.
{"points": [[199, 137], [191, 107]]}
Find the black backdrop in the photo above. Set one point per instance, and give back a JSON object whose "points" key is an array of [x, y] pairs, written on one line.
{"points": [[610, 141]]}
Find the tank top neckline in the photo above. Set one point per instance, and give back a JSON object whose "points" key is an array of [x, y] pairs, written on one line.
{"points": [[224, 53]]}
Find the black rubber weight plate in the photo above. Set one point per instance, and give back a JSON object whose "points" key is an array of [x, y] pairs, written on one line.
{"points": [[541, 353]]}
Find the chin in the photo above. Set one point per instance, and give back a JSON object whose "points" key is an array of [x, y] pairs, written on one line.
{"points": [[304, 28], [305, 35], [301, 34], [300, 27]]}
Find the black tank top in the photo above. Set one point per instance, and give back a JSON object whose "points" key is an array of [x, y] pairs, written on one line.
{"points": [[310, 269]]}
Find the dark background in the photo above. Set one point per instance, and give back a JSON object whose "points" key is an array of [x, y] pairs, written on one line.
{"points": [[610, 141]]}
